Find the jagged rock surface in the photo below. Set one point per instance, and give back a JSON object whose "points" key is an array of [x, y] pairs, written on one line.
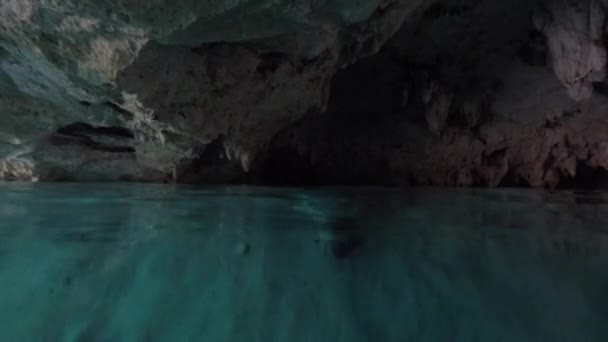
{"points": [[177, 75], [575, 34], [466, 92], [474, 93]]}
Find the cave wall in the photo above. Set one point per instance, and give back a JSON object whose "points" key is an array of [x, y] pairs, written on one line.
{"points": [[387, 92], [470, 93], [178, 76]]}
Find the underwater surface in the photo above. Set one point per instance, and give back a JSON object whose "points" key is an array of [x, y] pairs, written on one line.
{"points": [[131, 262]]}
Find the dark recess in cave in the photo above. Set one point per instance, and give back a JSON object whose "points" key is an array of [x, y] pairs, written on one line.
{"points": [[533, 51], [512, 180], [364, 98], [83, 134], [211, 164], [270, 62], [587, 178], [82, 129], [368, 88]]}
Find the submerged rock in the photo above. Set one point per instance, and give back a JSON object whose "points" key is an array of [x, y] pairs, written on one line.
{"points": [[342, 238], [243, 248]]}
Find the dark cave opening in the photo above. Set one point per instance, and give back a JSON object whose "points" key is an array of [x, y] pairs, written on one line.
{"points": [[110, 139], [513, 180], [367, 89], [364, 99], [586, 178]]}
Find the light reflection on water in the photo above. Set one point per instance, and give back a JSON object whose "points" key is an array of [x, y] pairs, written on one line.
{"points": [[128, 262]]}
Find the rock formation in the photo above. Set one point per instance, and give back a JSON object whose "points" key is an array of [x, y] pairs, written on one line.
{"points": [[176, 76], [446, 92], [471, 93]]}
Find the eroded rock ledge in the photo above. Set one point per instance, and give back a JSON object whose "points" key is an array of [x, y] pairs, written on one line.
{"points": [[394, 92]]}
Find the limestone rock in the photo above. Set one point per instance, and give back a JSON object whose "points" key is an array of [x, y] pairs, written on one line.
{"points": [[575, 33], [446, 92], [454, 99], [177, 75]]}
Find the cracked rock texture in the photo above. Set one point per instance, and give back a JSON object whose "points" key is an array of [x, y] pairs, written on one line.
{"points": [[177, 76], [446, 92], [470, 93]]}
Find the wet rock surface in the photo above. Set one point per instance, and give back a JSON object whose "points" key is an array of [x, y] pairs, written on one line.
{"points": [[391, 92], [177, 76], [455, 99]]}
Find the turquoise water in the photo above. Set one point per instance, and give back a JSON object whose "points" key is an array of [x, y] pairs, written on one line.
{"points": [[165, 263]]}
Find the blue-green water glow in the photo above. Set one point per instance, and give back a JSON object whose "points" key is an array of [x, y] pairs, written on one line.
{"points": [[164, 263]]}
